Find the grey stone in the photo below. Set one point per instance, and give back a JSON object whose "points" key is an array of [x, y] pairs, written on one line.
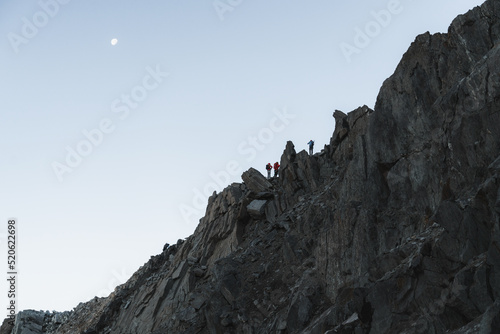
{"points": [[29, 322], [180, 268], [255, 181], [256, 208]]}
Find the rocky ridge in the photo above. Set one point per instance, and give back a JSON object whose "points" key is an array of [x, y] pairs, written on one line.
{"points": [[393, 228]]}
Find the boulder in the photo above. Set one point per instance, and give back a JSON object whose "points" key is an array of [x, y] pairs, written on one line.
{"points": [[255, 181], [256, 208]]}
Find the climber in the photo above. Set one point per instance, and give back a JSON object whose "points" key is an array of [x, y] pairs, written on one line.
{"points": [[276, 167], [268, 168], [311, 146]]}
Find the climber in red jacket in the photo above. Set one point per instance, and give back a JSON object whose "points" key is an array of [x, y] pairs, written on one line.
{"points": [[276, 167], [268, 168]]}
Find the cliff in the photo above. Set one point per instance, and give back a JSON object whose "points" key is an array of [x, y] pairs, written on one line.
{"points": [[392, 228]]}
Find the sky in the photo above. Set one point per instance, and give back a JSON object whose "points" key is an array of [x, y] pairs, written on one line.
{"points": [[110, 151]]}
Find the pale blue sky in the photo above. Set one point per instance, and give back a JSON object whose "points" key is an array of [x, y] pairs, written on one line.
{"points": [[230, 74]]}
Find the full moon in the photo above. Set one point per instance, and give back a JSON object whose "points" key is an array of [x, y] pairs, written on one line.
{"points": [[114, 41]]}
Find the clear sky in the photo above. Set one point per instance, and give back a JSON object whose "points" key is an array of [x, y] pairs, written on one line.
{"points": [[110, 151]]}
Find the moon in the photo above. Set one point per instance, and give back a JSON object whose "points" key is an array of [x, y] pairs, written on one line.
{"points": [[114, 41]]}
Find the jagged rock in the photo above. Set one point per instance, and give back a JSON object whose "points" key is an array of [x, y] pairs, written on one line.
{"points": [[395, 228], [255, 181], [7, 326], [265, 195], [165, 247], [29, 322], [180, 270]]}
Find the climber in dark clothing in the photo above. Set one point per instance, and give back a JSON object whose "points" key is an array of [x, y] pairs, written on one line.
{"points": [[311, 146], [276, 168], [268, 168]]}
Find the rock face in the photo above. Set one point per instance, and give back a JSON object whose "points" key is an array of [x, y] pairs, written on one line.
{"points": [[393, 228]]}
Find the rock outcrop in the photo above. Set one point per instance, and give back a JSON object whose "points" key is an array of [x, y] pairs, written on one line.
{"points": [[393, 228]]}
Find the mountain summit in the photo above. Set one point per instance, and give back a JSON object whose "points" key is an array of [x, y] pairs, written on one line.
{"points": [[393, 228]]}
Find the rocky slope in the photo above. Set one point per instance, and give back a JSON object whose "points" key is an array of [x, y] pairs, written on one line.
{"points": [[392, 228]]}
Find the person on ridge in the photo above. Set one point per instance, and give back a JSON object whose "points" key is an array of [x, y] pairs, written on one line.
{"points": [[276, 168], [311, 146], [268, 168]]}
